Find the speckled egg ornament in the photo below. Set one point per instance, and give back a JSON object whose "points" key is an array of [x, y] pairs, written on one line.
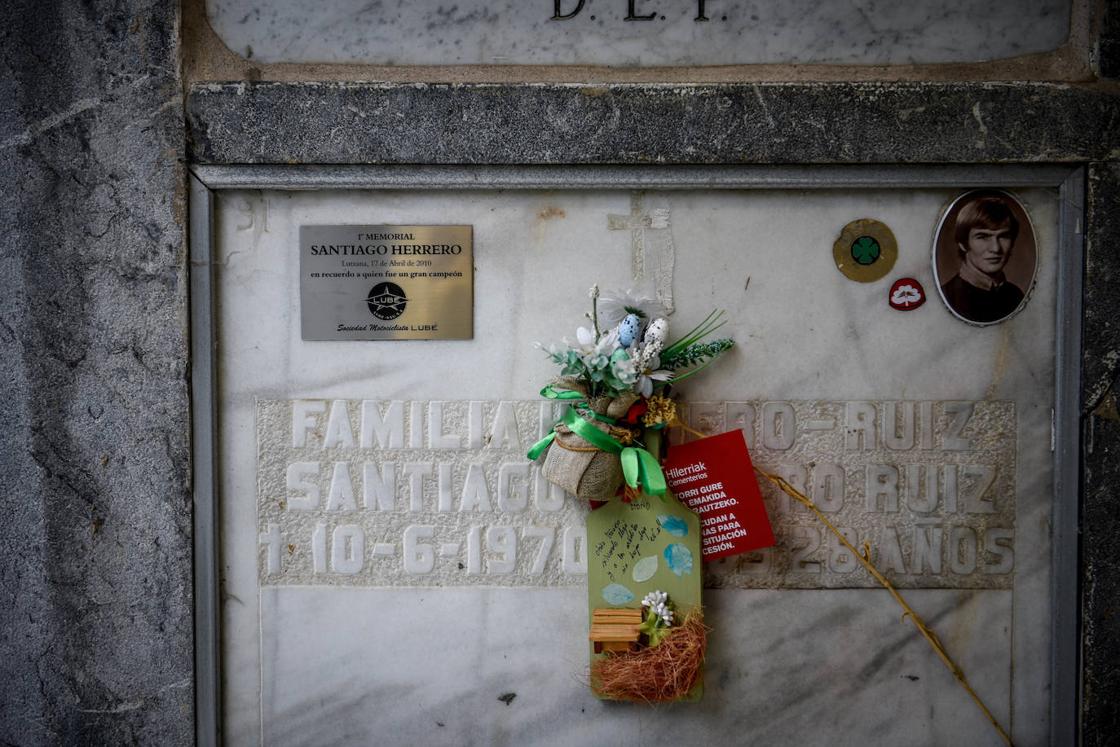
{"points": [[629, 330]]}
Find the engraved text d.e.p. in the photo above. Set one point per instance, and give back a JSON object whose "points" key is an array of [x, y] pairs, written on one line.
{"points": [[636, 10]]}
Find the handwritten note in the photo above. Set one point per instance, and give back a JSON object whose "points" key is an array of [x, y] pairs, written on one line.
{"points": [[622, 545]]}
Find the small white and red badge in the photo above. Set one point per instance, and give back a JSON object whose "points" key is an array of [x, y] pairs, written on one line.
{"points": [[906, 294]]}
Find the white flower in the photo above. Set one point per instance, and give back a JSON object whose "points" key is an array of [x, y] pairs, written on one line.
{"points": [[552, 348], [648, 360], [658, 603], [588, 347], [615, 305], [649, 373]]}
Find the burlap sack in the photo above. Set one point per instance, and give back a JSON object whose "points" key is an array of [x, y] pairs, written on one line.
{"points": [[576, 465]]}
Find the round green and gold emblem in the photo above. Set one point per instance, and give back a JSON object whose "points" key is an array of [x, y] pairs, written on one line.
{"points": [[865, 251]]}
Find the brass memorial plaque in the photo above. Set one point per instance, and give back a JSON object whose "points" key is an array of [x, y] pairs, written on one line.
{"points": [[386, 282]]}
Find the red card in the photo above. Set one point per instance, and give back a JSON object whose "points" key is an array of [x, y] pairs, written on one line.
{"points": [[714, 477]]}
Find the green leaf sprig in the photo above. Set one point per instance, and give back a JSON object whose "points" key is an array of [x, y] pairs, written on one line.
{"points": [[691, 351], [699, 352], [654, 628]]}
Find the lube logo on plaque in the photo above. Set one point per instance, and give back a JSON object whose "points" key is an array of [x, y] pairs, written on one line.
{"points": [[387, 301], [386, 282]]}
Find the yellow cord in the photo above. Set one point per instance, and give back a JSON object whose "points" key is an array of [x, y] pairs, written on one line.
{"points": [[864, 557], [562, 445], [664, 410], [691, 431]]}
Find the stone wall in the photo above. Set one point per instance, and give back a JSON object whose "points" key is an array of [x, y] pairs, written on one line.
{"points": [[95, 578], [1100, 518]]}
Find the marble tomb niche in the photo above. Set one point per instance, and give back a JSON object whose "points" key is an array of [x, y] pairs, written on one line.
{"points": [[395, 570]]}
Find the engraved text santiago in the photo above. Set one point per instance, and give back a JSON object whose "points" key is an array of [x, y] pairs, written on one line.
{"points": [[436, 493]]}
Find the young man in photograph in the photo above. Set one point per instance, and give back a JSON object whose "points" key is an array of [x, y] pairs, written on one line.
{"points": [[985, 235]]}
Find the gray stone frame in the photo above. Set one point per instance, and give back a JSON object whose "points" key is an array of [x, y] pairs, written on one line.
{"points": [[762, 123], [95, 461], [539, 130]]}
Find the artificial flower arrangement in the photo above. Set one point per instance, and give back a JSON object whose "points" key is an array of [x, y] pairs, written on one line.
{"points": [[617, 376]]}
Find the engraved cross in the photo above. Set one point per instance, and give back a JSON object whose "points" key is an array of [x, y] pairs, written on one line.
{"points": [[651, 245]]}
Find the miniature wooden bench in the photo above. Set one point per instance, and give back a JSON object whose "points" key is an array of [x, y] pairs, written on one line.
{"points": [[615, 629]]}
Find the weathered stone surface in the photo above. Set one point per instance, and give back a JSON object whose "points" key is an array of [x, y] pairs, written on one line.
{"points": [[1101, 333], [1108, 44], [1100, 539], [95, 573], [759, 123]]}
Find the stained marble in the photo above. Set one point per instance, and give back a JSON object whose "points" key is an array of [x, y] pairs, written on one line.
{"points": [[320, 665], [783, 667], [659, 32]]}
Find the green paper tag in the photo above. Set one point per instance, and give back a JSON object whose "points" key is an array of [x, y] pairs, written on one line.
{"points": [[650, 544]]}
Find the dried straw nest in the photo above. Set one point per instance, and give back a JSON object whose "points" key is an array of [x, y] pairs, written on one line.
{"points": [[658, 674]]}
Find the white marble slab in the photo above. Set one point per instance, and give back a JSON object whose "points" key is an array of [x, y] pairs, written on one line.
{"points": [[328, 665], [509, 32], [813, 668]]}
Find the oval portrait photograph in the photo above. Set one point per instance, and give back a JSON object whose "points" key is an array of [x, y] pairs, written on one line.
{"points": [[985, 256]]}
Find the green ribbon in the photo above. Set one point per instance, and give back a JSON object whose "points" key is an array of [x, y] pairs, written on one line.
{"points": [[551, 392], [638, 465], [591, 434], [539, 447]]}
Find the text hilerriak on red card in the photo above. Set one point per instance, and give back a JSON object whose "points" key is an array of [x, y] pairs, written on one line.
{"points": [[715, 478]]}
